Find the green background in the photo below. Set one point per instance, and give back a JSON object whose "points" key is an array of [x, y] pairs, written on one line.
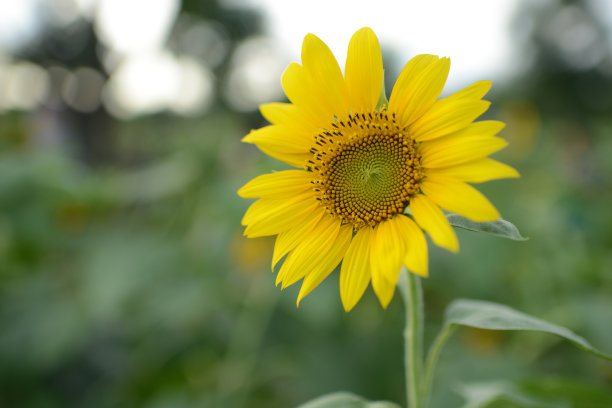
{"points": [[125, 280]]}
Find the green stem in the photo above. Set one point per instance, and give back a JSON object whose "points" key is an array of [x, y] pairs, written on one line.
{"points": [[432, 359], [410, 287]]}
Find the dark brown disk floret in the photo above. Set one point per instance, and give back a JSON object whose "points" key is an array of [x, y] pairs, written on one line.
{"points": [[365, 168]]}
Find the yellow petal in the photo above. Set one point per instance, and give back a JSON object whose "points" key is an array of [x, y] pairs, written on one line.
{"points": [[355, 270], [458, 151], [429, 216], [289, 116], [388, 250], [472, 143], [364, 71], [328, 263], [477, 171], [273, 216], [280, 138], [298, 160], [298, 88], [460, 198], [481, 128], [475, 91], [325, 75], [446, 117], [308, 253], [282, 144], [384, 289], [416, 254], [451, 114], [282, 184], [286, 241], [417, 87]]}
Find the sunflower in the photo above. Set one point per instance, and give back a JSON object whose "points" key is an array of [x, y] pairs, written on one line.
{"points": [[369, 177]]}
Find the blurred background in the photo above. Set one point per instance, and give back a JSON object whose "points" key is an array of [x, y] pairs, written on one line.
{"points": [[124, 277]]}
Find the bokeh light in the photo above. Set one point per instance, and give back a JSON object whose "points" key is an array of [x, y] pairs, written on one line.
{"points": [[115, 24], [153, 82], [253, 75], [23, 86]]}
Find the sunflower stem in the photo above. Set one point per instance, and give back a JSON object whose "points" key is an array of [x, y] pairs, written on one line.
{"points": [[410, 287], [432, 359]]}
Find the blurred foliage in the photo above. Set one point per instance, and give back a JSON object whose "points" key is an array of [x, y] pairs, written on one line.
{"points": [[125, 281]]}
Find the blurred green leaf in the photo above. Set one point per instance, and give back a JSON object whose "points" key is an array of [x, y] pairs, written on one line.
{"points": [[346, 400], [501, 393], [500, 228], [493, 316], [573, 391]]}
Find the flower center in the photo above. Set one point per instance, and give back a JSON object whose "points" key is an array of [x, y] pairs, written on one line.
{"points": [[366, 169]]}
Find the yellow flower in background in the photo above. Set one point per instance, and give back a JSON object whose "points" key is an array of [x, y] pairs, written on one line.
{"points": [[368, 179]]}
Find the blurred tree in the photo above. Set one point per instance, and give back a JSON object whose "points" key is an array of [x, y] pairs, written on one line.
{"points": [[565, 47]]}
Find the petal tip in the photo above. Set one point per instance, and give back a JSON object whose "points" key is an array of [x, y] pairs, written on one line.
{"points": [[384, 303], [492, 216], [347, 307], [249, 138], [367, 35], [513, 173], [423, 273], [364, 31], [348, 302], [309, 40]]}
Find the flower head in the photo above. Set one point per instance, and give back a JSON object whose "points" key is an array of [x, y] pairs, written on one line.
{"points": [[369, 178]]}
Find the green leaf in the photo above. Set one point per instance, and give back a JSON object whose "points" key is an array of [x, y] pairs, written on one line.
{"points": [[493, 316], [539, 392], [346, 400], [484, 394], [500, 228], [573, 391]]}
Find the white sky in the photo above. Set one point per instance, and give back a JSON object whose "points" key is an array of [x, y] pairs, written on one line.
{"points": [[17, 21], [473, 33]]}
